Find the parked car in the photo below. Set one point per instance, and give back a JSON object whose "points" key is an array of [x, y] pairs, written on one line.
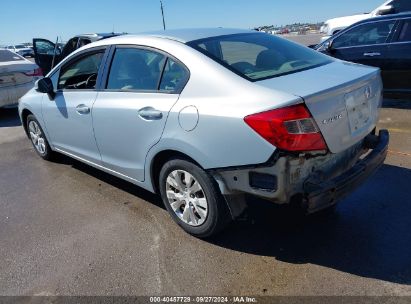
{"points": [[21, 49], [204, 117], [333, 26], [17, 77], [47, 54], [383, 42]]}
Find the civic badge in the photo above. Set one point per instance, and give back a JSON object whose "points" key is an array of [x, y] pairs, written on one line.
{"points": [[332, 119]]}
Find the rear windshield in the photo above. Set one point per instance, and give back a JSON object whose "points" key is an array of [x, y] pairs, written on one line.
{"points": [[6, 55], [258, 56]]}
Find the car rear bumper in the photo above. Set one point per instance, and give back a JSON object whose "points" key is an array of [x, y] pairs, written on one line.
{"points": [[316, 181], [10, 95], [320, 195]]}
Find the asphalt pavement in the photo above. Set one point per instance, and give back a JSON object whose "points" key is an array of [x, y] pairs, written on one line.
{"points": [[69, 229]]}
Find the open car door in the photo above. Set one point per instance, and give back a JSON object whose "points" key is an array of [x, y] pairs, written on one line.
{"points": [[46, 54]]}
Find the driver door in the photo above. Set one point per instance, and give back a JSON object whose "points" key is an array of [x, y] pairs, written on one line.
{"points": [[365, 44], [46, 54], [68, 116]]}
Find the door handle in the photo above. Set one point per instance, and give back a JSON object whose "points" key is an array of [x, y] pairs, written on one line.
{"points": [[149, 113], [82, 109], [372, 54]]}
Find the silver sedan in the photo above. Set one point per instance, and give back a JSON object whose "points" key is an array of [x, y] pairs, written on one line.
{"points": [[204, 117]]}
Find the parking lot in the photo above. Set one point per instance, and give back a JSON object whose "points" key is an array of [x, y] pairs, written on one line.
{"points": [[68, 229]]}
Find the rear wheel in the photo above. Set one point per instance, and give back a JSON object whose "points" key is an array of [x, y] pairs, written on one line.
{"points": [[192, 198], [38, 139]]}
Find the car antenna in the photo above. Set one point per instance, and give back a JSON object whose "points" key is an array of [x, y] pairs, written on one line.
{"points": [[162, 14], [54, 53]]}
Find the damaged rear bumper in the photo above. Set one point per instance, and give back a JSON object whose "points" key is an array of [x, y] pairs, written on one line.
{"points": [[315, 181], [320, 195]]}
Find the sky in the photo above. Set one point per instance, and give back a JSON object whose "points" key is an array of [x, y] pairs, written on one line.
{"points": [[23, 20]]}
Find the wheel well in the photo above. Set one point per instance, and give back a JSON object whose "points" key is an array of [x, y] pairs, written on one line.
{"points": [[158, 162], [24, 115]]}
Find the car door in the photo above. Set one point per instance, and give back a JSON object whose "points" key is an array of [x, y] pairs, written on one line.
{"points": [[398, 70], [365, 43], [130, 112], [68, 116], [46, 54]]}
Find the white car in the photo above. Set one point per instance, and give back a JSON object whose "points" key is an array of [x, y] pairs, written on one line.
{"points": [[21, 49], [333, 26], [17, 77]]}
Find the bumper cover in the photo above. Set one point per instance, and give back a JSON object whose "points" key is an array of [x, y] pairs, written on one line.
{"points": [[320, 195], [10, 95]]}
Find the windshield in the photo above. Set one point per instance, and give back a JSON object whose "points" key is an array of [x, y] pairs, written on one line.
{"points": [[258, 56], [20, 46]]}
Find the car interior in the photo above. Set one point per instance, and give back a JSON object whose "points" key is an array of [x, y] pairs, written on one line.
{"points": [[365, 34], [133, 69], [254, 60], [137, 69], [405, 34], [82, 74], [174, 77]]}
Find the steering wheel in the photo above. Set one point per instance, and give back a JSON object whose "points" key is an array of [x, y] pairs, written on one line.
{"points": [[91, 81]]}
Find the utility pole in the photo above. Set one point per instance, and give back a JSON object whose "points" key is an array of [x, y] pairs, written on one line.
{"points": [[162, 14]]}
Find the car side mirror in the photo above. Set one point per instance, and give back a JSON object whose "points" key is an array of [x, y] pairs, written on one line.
{"points": [[45, 85], [385, 10], [330, 46]]}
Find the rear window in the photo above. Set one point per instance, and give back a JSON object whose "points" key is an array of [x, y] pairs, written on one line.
{"points": [[258, 56], [6, 55]]}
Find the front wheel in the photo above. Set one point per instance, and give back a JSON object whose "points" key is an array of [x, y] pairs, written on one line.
{"points": [[38, 139], [192, 198]]}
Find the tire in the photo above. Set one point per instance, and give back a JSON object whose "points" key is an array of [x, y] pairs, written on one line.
{"points": [[38, 138], [193, 198]]}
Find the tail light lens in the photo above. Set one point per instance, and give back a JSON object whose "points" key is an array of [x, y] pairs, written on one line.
{"points": [[37, 72], [290, 128]]}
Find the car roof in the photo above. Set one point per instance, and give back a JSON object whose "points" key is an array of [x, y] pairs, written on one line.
{"points": [[385, 17], [187, 35], [98, 36], [170, 36]]}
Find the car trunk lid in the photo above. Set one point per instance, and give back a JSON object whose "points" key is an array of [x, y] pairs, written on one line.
{"points": [[343, 99]]}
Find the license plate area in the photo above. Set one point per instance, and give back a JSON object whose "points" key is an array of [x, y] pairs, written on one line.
{"points": [[358, 108]]}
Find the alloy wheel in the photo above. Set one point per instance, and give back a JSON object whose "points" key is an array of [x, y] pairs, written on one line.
{"points": [[186, 197], [37, 137]]}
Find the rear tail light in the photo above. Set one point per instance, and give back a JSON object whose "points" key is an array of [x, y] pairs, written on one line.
{"points": [[37, 72], [290, 128]]}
